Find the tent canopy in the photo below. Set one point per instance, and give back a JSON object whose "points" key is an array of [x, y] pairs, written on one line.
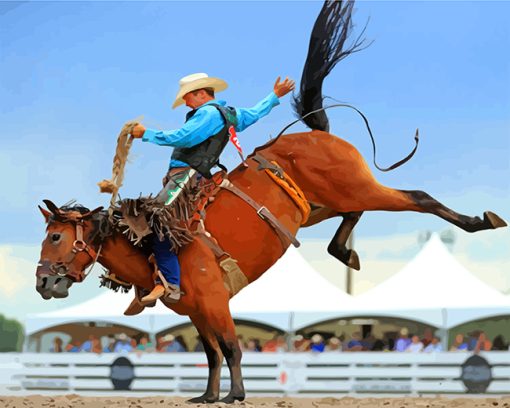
{"points": [[434, 280], [434, 288], [291, 285]]}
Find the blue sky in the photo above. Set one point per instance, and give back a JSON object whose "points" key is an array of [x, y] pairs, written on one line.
{"points": [[71, 73]]}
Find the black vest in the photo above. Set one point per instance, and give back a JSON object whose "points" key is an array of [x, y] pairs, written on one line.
{"points": [[205, 155]]}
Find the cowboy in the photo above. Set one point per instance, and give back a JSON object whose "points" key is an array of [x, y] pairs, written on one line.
{"points": [[197, 148]]}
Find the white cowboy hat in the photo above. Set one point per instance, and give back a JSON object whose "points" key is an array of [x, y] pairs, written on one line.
{"points": [[168, 337], [197, 81]]}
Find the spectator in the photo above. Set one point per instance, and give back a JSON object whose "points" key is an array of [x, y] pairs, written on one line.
{"points": [[111, 345], [300, 343], [133, 343], [96, 346], [499, 344], [57, 345], [367, 342], [378, 345], [459, 344], [172, 345], [427, 337], [483, 343], [434, 346], [416, 345], [73, 346], [87, 344], [355, 343], [334, 344], [145, 345], [199, 346], [277, 343], [403, 341], [179, 339], [473, 340], [281, 344], [252, 345], [317, 345], [123, 344]]}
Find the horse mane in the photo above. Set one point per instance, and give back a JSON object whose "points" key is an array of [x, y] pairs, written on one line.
{"points": [[68, 207], [327, 47], [102, 226]]}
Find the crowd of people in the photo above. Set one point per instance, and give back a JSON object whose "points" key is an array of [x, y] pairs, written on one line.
{"points": [[121, 343], [405, 342]]}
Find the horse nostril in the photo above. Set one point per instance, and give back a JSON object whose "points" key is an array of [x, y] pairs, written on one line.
{"points": [[44, 282]]}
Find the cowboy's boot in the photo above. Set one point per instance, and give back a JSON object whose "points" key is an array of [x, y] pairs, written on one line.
{"points": [[156, 293], [136, 306]]}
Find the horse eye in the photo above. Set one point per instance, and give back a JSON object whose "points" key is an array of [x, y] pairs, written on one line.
{"points": [[55, 237]]}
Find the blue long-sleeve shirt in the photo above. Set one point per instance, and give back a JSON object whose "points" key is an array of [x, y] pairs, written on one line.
{"points": [[206, 122]]}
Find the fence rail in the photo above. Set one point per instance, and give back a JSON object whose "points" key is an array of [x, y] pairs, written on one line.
{"points": [[271, 373]]}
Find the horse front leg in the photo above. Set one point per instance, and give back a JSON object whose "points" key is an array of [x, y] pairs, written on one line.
{"points": [[214, 361], [216, 328], [337, 247], [216, 318], [232, 351]]}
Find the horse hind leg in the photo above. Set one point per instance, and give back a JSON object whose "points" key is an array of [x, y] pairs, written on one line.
{"points": [[428, 204], [337, 247]]}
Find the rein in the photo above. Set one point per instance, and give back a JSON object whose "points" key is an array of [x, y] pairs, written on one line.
{"points": [[343, 105]]}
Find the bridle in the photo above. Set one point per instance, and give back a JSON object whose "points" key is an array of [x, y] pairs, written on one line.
{"points": [[79, 245]]}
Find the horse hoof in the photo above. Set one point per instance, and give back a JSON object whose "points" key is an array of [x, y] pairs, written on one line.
{"points": [[207, 399], [494, 220], [348, 257], [353, 261], [230, 399]]}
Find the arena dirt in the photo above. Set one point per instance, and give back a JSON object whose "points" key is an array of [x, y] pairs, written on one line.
{"points": [[72, 401]]}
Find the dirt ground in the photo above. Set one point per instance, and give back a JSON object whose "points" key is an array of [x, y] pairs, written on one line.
{"points": [[73, 400]]}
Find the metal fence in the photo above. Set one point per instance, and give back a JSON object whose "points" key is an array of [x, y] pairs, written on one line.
{"points": [[305, 374]]}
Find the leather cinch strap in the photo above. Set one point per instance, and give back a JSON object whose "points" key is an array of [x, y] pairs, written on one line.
{"points": [[283, 233], [233, 278]]}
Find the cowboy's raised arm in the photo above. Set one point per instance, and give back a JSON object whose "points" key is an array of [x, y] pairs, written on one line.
{"points": [[248, 116]]}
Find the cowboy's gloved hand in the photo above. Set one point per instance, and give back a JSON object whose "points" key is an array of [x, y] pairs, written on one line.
{"points": [[138, 131], [283, 88]]}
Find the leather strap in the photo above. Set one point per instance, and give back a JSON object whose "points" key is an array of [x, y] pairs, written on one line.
{"points": [[266, 164], [233, 278], [283, 233], [213, 245]]}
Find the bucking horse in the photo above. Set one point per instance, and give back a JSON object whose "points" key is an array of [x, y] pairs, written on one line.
{"points": [[295, 180]]}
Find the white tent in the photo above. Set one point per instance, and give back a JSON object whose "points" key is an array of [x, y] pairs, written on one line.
{"points": [[292, 288], [434, 287], [290, 294]]}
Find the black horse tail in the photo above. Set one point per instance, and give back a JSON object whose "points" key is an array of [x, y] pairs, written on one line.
{"points": [[327, 47]]}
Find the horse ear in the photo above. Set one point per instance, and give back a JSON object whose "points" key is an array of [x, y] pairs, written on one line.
{"points": [[52, 207], [90, 213], [45, 213]]}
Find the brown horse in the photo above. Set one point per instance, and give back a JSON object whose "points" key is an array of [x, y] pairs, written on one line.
{"points": [[332, 174]]}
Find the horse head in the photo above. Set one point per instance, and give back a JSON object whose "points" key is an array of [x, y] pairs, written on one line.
{"points": [[72, 243]]}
